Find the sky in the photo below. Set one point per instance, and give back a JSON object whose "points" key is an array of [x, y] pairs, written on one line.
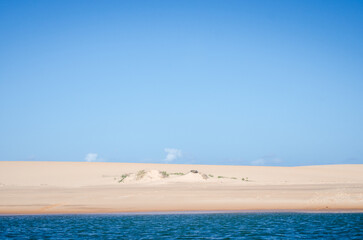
{"points": [[275, 83]]}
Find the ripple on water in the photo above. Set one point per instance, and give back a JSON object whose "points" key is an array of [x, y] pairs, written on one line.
{"points": [[185, 226]]}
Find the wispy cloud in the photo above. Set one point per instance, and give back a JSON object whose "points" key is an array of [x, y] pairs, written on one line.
{"points": [[172, 154], [266, 160], [91, 157], [31, 158], [258, 162]]}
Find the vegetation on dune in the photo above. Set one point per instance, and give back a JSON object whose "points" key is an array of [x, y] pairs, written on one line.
{"points": [[140, 174], [164, 174], [178, 173], [123, 176]]}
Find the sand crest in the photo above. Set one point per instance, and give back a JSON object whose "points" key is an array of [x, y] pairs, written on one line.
{"points": [[82, 187]]}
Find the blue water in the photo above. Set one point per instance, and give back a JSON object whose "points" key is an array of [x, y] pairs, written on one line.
{"points": [[185, 226]]}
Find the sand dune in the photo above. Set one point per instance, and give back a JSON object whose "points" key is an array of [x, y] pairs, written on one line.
{"points": [[80, 187]]}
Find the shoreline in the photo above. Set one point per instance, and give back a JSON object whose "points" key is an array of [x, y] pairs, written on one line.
{"points": [[136, 213]]}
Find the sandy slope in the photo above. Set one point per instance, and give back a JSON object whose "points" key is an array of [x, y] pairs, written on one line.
{"points": [[80, 187]]}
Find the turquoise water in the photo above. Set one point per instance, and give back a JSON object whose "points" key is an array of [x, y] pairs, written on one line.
{"points": [[185, 226]]}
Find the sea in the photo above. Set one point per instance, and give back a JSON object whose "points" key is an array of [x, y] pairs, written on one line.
{"points": [[251, 225]]}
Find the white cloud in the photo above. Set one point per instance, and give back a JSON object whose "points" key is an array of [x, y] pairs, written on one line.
{"points": [[258, 162], [172, 154], [267, 160], [91, 157], [276, 160]]}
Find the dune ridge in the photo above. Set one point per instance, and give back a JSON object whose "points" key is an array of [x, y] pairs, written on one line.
{"points": [[99, 187]]}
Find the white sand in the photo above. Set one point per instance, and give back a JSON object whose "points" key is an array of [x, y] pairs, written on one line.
{"points": [[81, 187]]}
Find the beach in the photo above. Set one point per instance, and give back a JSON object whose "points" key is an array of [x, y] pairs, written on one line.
{"points": [[101, 187]]}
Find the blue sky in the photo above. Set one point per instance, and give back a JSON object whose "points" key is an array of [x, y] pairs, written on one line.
{"points": [[201, 82]]}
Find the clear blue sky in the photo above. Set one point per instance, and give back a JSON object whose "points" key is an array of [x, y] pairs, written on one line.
{"points": [[204, 82]]}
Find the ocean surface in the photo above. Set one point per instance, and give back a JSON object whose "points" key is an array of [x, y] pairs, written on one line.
{"points": [[185, 226]]}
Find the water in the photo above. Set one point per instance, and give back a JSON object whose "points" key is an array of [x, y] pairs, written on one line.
{"points": [[185, 226]]}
